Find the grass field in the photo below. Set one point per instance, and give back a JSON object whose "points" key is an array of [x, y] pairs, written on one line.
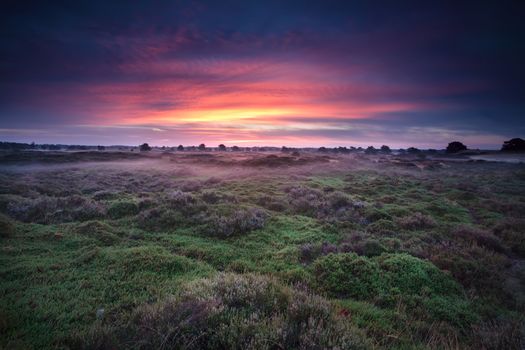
{"points": [[252, 251]]}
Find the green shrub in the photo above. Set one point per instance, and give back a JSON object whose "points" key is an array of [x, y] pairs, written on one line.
{"points": [[412, 275], [232, 312], [347, 275]]}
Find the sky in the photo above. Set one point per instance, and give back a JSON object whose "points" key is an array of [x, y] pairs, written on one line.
{"points": [[263, 73]]}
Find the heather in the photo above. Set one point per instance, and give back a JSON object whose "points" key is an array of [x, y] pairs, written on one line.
{"points": [[215, 250]]}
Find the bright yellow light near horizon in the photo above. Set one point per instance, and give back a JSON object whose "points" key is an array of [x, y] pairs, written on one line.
{"points": [[223, 115]]}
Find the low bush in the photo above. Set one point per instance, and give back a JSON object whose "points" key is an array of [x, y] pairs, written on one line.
{"points": [[7, 228], [240, 222], [232, 312], [309, 252], [416, 221], [473, 266], [99, 231], [480, 237], [350, 275], [122, 209], [382, 226], [49, 210], [511, 231], [160, 219], [180, 200], [347, 275], [154, 259], [104, 195], [412, 275], [369, 247], [501, 333]]}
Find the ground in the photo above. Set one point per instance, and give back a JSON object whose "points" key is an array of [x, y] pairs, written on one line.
{"points": [[122, 250]]}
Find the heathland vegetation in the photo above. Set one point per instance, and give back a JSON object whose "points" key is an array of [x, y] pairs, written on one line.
{"points": [[300, 249]]}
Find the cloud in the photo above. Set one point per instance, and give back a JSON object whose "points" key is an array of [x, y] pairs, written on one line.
{"points": [[298, 72]]}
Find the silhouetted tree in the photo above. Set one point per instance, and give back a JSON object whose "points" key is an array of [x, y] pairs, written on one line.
{"points": [[285, 149], [144, 147], [370, 150], [413, 150], [455, 147], [202, 147], [101, 148], [236, 148], [385, 149], [322, 149], [180, 148], [514, 145], [222, 147]]}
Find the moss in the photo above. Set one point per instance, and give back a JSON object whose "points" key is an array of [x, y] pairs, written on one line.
{"points": [[412, 275], [347, 275]]}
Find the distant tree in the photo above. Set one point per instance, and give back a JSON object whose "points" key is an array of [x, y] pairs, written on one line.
{"points": [[144, 147], [236, 149], [202, 147], [222, 147], [385, 149], [285, 149], [514, 145], [101, 148], [180, 148], [401, 151], [359, 148], [413, 150], [370, 150], [343, 150], [455, 147], [322, 149]]}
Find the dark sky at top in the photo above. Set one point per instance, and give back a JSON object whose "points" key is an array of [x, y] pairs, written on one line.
{"points": [[297, 73]]}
